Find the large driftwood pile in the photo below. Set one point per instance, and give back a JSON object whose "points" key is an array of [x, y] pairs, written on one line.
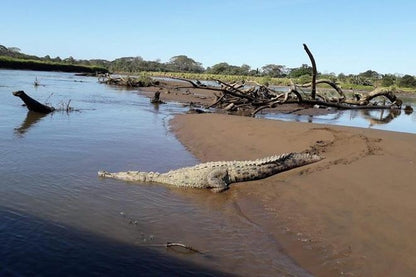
{"points": [[126, 81], [250, 99]]}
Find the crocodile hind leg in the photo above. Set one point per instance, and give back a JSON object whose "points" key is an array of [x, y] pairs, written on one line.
{"points": [[217, 180]]}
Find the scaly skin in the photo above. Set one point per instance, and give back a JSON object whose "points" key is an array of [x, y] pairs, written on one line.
{"points": [[217, 176]]}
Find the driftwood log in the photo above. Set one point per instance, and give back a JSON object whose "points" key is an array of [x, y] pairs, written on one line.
{"points": [[251, 99], [186, 247], [32, 104], [126, 81], [35, 106]]}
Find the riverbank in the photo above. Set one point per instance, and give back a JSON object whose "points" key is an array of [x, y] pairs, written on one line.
{"points": [[348, 214], [25, 64], [351, 213]]}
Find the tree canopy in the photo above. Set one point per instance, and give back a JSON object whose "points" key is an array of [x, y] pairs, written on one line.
{"points": [[274, 70], [301, 71], [183, 63]]}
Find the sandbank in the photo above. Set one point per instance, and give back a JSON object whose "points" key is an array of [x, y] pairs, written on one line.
{"points": [[351, 213]]}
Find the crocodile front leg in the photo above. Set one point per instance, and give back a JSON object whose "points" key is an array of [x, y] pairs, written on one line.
{"points": [[217, 180]]}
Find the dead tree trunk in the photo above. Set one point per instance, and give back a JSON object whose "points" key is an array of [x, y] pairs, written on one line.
{"points": [[314, 70]]}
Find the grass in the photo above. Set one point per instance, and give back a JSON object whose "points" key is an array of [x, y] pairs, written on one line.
{"points": [[267, 80], [16, 63], [224, 78], [261, 80]]}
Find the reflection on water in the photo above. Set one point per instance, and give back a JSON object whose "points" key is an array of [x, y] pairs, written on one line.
{"points": [[31, 119], [380, 117], [387, 119], [156, 106]]}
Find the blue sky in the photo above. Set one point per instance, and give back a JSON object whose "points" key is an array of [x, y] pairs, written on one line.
{"points": [[344, 36]]}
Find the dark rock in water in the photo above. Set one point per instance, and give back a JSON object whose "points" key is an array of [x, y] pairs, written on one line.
{"points": [[194, 110], [32, 104], [156, 99], [408, 109]]}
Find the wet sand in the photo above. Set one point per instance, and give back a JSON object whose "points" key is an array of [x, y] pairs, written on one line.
{"points": [[351, 213]]}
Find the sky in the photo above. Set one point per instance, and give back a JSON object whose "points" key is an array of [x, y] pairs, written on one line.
{"points": [[344, 36]]}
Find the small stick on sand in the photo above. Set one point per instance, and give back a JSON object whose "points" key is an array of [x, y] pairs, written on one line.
{"points": [[173, 244]]}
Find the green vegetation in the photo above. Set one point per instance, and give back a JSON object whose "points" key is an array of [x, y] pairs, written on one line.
{"points": [[185, 67], [143, 80], [223, 77], [15, 63], [12, 58]]}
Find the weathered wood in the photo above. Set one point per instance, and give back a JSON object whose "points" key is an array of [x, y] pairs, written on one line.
{"points": [[194, 85], [314, 70], [32, 104], [234, 91], [385, 92], [187, 247], [328, 82], [237, 98]]}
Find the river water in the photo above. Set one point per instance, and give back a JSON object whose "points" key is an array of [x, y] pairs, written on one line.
{"points": [[58, 218], [388, 120]]}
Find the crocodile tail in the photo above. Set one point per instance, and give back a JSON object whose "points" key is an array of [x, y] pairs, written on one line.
{"points": [[293, 160], [136, 176]]}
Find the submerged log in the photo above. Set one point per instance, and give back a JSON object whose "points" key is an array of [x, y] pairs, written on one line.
{"points": [[32, 104]]}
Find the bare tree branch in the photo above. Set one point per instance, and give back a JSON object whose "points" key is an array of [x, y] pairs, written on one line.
{"points": [[314, 70]]}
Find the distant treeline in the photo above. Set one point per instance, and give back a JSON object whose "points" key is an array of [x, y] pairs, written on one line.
{"points": [[14, 63], [184, 64], [12, 58]]}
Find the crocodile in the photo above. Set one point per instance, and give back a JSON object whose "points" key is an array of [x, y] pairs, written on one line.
{"points": [[217, 176]]}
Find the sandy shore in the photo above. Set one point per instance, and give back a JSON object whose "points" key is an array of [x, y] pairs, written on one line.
{"points": [[352, 213]]}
